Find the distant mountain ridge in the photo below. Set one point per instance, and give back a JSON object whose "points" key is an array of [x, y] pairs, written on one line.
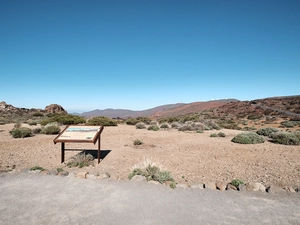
{"points": [[168, 110]]}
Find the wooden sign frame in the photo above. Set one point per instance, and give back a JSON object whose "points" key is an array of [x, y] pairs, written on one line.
{"points": [[79, 134]]}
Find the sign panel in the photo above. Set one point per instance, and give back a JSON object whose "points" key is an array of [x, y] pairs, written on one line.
{"points": [[77, 133]]}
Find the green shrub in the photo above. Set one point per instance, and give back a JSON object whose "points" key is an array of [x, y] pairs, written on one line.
{"points": [[37, 168], [199, 131], [248, 138], [21, 132], [51, 130], [164, 126], [175, 125], [131, 121], [248, 128], [236, 182], [267, 131], [38, 114], [153, 127], [137, 142], [286, 138], [173, 185], [221, 134], [33, 123], [102, 120], [289, 124], [65, 119], [59, 170], [152, 172], [37, 130], [17, 125], [186, 127], [140, 125], [213, 135], [145, 120], [254, 117], [81, 160]]}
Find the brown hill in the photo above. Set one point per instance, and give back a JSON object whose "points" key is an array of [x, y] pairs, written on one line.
{"points": [[282, 107]]}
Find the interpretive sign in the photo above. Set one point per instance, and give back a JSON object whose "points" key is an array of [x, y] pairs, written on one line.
{"points": [[81, 134]]}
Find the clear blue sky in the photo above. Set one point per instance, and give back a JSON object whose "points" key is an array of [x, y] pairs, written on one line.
{"points": [[99, 54]]}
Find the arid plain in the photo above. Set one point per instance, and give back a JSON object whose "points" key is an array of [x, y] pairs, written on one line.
{"points": [[191, 157]]}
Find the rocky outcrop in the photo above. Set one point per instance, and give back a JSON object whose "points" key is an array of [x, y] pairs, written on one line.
{"points": [[55, 108], [10, 109]]}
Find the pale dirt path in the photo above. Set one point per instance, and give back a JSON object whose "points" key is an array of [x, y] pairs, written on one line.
{"points": [[44, 199], [191, 157]]}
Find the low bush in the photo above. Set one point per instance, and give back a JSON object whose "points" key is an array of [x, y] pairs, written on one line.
{"points": [[81, 160], [164, 126], [21, 132], [153, 127], [248, 138], [137, 142], [185, 127], [37, 130], [102, 120], [65, 119], [236, 182], [267, 131], [38, 114], [213, 135], [32, 123], [131, 121], [51, 130], [221, 134], [140, 125], [286, 138], [175, 125], [37, 168], [152, 172]]}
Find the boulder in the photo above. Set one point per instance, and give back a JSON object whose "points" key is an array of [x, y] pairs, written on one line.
{"points": [[63, 173], [81, 175], [289, 189], [138, 178], [210, 185], [184, 186], [255, 187], [221, 186], [199, 186], [275, 189], [55, 108], [231, 187]]}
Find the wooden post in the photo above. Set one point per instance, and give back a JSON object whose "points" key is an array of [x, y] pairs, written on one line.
{"points": [[99, 146], [62, 152]]}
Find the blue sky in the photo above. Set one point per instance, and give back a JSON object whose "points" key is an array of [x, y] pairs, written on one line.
{"points": [[99, 54]]}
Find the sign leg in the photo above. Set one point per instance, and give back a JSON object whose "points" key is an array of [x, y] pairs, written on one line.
{"points": [[62, 152], [99, 146]]}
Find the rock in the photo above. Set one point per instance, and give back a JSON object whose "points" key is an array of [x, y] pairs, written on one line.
{"points": [[221, 186], [242, 187], [231, 187], [297, 190], [24, 171], [52, 172], [289, 189], [91, 176], [153, 182], [44, 172], [199, 186], [138, 178], [34, 171], [275, 189], [102, 176], [210, 185], [55, 108], [81, 175], [63, 173], [255, 187], [184, 186]]}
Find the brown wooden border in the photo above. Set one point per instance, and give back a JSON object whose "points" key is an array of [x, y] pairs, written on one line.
{"points": [[96, 138]]}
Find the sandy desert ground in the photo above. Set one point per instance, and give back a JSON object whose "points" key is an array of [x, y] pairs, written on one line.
{"points": [[191, 157]]}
